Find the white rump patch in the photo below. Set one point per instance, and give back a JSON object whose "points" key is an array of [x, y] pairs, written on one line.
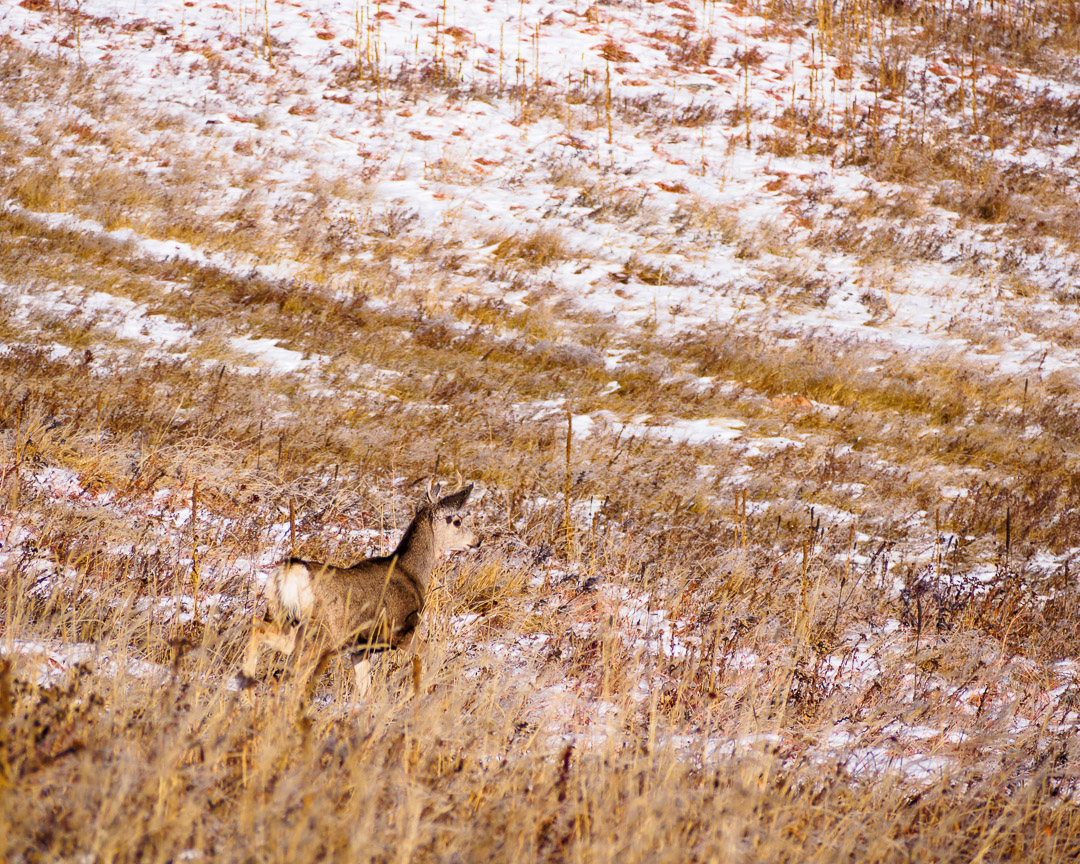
{"points": [[289, 588]]}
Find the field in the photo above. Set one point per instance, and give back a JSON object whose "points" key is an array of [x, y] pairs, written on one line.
{"points": [[756, 325]]}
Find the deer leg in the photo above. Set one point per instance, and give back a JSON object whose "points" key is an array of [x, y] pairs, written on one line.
{"points": [[284, 640], [408, 642], [405, 640], [251, 653], [269, 634], [362, 670]]}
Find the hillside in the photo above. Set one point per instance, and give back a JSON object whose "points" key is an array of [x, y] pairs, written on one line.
{"points": [[755, 324]]}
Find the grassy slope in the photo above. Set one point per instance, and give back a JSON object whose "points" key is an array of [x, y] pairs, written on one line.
{"points": [[675, 680]]}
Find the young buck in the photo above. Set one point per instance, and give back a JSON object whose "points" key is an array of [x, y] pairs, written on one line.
{"points": [[366, 608]]}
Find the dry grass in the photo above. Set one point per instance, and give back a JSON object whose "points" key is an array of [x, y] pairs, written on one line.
{"points": [[587, 746], [852, 642], [476, 764], [542, 248]]}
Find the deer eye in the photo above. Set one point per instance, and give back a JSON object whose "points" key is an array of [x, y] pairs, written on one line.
{"points": [[449, 519], [457, 523]]}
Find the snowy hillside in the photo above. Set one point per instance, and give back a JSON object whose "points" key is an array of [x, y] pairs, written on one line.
{"points": [[754, 323]]}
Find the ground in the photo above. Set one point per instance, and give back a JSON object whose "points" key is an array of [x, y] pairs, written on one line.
{"points": [[755, 325]]}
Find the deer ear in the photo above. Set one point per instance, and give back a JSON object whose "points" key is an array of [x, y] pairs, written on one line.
{"points": [[457, 500]]}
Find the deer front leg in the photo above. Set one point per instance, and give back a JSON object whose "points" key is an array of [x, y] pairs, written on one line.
{"points": [[410, 642], [362, 670]]}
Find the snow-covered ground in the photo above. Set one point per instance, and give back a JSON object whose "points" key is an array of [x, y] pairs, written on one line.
{"points": [[728, 234]]}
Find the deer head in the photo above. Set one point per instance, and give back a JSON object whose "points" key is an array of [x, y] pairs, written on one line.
{"points": [[451, 534]]}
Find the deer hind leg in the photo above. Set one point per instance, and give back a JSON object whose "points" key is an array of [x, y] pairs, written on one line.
{"points": [[282, 639]]}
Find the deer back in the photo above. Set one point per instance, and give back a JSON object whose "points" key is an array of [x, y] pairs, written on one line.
{"points": [[371, 603]]}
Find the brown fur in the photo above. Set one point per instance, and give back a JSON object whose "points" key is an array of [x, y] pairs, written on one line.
{"points": [[369, 607]]}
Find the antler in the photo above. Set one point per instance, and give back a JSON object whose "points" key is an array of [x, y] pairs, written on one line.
{"points": [[433, 491]]}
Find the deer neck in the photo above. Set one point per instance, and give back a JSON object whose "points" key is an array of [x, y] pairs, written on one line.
{"points": [[415, 554]]}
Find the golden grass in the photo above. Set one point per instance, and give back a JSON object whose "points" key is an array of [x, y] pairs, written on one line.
{"points": [[549, 726], [490, 759]]}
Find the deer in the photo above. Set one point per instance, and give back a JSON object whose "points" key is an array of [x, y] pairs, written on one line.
{"points": [[362, 610]]}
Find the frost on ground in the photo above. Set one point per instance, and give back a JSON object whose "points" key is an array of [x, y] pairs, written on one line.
{"points": [[754, 323]]}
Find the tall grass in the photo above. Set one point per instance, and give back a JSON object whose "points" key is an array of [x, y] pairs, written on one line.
{"points": [[850, 635]]}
